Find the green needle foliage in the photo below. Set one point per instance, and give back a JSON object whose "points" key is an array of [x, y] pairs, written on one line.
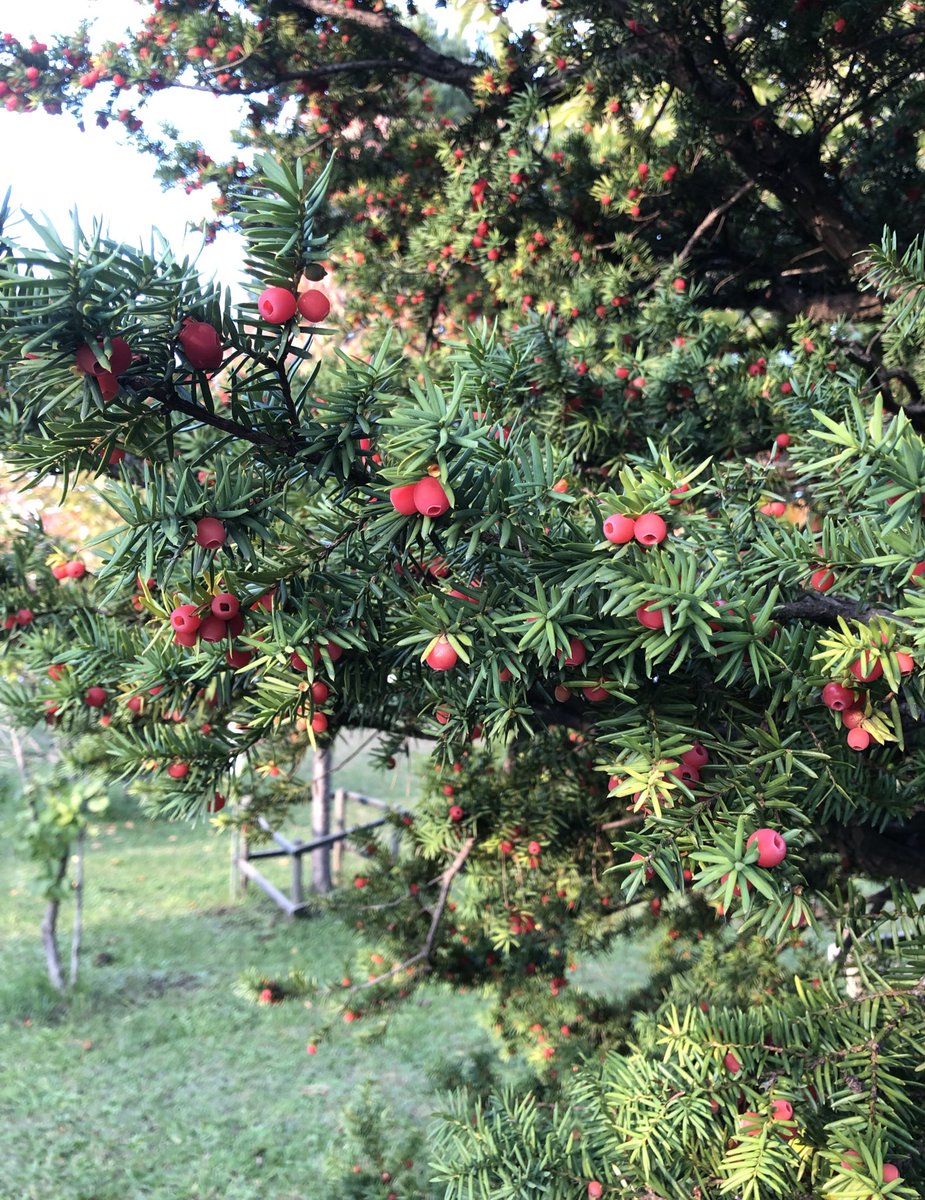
{"points": [[631, 740]]}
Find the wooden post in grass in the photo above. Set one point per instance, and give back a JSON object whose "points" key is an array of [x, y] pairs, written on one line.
{"points": [[321, 819], [340, 824], [239, 880]]}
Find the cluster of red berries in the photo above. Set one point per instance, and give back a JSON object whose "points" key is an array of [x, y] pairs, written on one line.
{"points": [[278, 305], [222, 618], [851, 705], [426, 497], [687, 769], [648, 529], [75, 569], [22, 616], [319, 690]]}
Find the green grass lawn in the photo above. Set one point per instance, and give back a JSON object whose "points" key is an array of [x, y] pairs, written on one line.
{"points": [[156, 1081]]}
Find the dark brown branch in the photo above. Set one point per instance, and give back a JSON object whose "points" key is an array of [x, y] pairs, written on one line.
{"points": [[320, 72], [174, 403], [425, 954], [821, 609], [713, 215], [428, 62]]}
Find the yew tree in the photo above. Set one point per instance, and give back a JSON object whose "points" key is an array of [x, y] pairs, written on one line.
{"points": [[641, 552]]}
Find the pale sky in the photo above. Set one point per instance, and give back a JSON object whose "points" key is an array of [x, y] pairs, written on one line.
{"points": [[52, 167]]}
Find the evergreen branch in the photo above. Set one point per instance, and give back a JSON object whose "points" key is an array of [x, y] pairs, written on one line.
{"points": [[174, 403]]}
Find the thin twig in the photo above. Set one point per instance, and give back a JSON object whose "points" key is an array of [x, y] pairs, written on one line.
{"points": [[713, 215], [425, 954]]}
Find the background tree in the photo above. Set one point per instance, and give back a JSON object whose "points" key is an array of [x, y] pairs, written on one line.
{"points": [[765, 144]]}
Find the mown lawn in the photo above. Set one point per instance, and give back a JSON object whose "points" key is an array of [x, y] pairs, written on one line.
{"points": [[155, 1079]]}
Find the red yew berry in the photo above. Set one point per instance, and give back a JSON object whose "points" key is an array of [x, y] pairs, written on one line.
{"points": [[866, 668], [858, 739], [772, 849], [210, 533], [216, 804], [697, 756], [534, 849], [650, 529], [213, 629], [75, 569], [679, 285], [822, 580], [731, 1063], [456, 813], [201, 344], [277, 305], [442, 657], [225, 606], [619, 529], [59, 570], [120, 359], [133, 704], [561, 693], [677, 494], [595, 1190], [595, 694], [429, 497], [577, 653], [314, 305], [311, 1048], [641, 858], [185, 618], [838, 698], [782, 441], [905, 662], [402, 499], [781, 1110], [178, 770], [651, 618], [319, 692], [890, 1172], [238, 657], [319, 723], [96, 697]]}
